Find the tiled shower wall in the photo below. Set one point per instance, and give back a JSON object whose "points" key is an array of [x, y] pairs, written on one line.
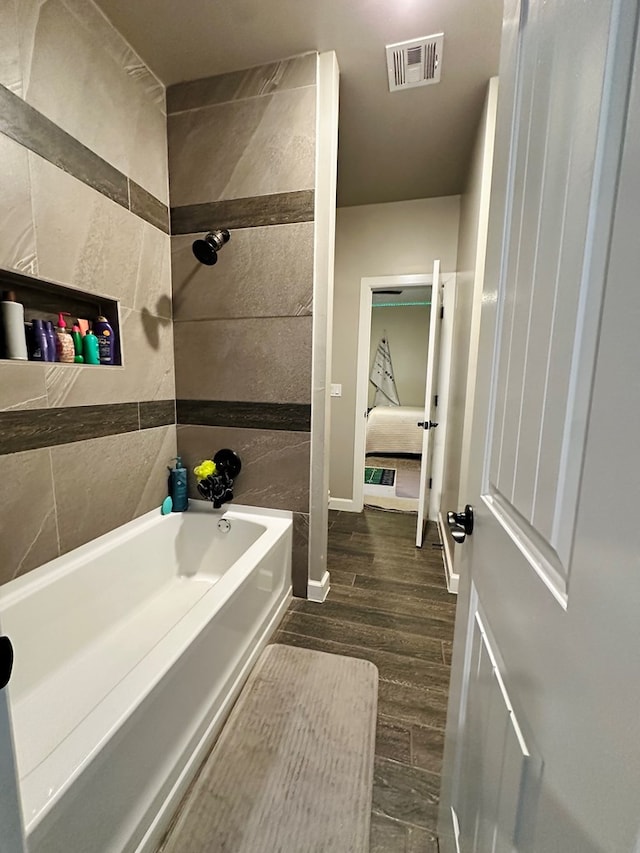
{"points": [[83, 201], [242, 156]]}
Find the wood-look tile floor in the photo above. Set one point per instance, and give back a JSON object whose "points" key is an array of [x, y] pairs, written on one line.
{"points": [[389, 603]]}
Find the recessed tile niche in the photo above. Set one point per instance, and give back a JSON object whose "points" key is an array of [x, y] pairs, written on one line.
{"points": [[44, 300]]}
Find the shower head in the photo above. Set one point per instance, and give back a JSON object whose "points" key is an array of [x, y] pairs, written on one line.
{"points": [[206, 250]]}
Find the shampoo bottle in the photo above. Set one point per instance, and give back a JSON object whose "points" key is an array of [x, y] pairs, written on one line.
{"points": [[178, 486], [52, 354], [104, 333], [64, 341], [13, 322], [39, 341], [90, 348]]}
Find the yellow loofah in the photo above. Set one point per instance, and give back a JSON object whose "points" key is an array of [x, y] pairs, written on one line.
{"points": [[205, 469]]}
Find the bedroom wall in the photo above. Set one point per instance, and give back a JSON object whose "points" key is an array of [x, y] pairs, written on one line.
{"points": [[377, 239], [407, 329]]}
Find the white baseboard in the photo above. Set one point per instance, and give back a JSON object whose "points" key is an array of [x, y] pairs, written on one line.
{"points": [[318, 590], [343, 505], [452, 578]]}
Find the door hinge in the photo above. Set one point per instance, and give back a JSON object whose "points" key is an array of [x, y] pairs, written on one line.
{"points": [[435, 400], [441, 312], [430, 482]]}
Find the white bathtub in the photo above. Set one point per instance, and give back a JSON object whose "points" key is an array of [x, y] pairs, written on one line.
{"points": [[129, 653]]}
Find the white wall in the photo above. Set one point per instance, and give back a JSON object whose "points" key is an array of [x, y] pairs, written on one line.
{"points": [[407, 330], [377, 239], [474, 218]]}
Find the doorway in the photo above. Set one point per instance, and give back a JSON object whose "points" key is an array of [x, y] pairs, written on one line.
{"points": [[391, 437], [398, 349]]}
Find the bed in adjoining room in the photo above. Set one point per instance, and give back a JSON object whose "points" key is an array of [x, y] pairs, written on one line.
{"points": [[394, 430]]}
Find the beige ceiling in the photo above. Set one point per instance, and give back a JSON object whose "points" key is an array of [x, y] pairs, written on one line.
{"points": [[410, 144]]}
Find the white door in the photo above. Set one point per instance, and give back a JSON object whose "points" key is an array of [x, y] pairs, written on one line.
{"points": [[543, 733], [429, 423], [11, 830]]}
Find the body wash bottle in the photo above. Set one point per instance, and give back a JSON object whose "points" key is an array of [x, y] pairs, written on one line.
{"points": [[64, 341]]}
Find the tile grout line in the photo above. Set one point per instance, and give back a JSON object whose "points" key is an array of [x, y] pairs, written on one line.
{"points": [[55, 499]]}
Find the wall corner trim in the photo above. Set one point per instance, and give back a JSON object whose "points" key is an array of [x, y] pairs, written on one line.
{"points": [[318, 590], [452, 578]]}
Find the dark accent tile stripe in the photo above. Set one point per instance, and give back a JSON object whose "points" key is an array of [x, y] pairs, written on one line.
{"points": [[249, 83], [33, 428], [147, 206], [294, 417], [155, 413], [274, 209], [28, 127], [29, 429]]}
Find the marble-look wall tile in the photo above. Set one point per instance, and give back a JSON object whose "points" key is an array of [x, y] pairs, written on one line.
{"points": [[242, 282], [300, 554], [111, 102], [249, 83], [275, 464], [27, 509], [253, 360], [256, 360], [10, 73], [243, 148], [153, 280], [112, 42], [147, 374], [87, 240], [22, 386], [122, 477], [17, 235], [82, 237]]}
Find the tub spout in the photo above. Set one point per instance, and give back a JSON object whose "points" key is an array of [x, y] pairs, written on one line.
{"points": [[218, 486]]}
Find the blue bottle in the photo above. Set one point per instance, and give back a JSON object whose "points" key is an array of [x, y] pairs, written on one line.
{"points": [[178, 487], [52, 354], [39, 342]]}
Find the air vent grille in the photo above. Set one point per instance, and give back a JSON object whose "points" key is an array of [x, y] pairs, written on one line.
{"points": [[415, 63]]}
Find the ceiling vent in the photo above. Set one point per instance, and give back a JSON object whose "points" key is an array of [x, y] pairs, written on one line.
{"points": [[415, 63]]}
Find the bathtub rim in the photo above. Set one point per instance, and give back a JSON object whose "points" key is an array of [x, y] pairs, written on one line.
{"points": [[20, 587]]}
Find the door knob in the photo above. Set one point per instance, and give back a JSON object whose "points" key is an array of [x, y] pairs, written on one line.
{"points": [[6, 661], [427, 424], [460, 523]]}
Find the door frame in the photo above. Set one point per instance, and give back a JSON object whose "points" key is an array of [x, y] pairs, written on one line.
{"points": [[367, 285]]}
